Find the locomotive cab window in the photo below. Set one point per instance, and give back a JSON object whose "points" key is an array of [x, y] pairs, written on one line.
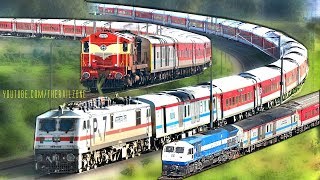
{"points": [[86, 46], [67, 124], [179, 149]]}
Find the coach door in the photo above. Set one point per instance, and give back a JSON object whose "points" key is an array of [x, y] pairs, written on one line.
{"points": [[274, 131], [164, 120], [261, 132], [193, 52]]}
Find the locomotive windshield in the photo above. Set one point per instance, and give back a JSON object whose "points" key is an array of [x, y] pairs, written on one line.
{"points": [[169, 149], [179, 149], [48, 125], [67, 124]]}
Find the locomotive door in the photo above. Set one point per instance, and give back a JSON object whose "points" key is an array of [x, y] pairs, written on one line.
{"points": [[198, 150], [88, 133]]}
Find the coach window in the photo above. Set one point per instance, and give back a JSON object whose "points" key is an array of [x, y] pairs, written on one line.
{"points": [[84, 125], [233, 100], [138, 117], [227, 103]]}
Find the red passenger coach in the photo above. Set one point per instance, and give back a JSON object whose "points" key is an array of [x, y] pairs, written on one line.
{"points": [[51, 26], [142, 14], [180, 21], [26, 25], [6, 25], [160, 17], [124, 11]]}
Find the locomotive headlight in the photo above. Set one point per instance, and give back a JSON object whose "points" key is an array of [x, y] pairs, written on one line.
{"points": [[39, 158], [118, 75], [70, 157], [85, 75]]}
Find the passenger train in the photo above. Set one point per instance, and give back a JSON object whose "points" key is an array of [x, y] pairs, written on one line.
{"points": [[131, 58], [193, 154], [122, 54], [84, 135]]}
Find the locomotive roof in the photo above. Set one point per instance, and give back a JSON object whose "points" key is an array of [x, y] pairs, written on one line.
{"points": [[262, 73], [59, 114], [212, 135], [264, 117]]}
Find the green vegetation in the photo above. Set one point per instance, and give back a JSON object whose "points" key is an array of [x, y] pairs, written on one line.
{"points": [[26, 65]]}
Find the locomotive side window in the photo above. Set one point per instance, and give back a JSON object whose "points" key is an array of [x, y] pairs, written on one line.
{"points": [[190, 151], [86, 46], [111, 121], [138, 117], [125, 46]]}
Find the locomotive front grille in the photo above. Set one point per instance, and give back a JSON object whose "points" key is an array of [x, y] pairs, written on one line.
{"points": [[174, 170], [56, 161], [49, 168]]}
